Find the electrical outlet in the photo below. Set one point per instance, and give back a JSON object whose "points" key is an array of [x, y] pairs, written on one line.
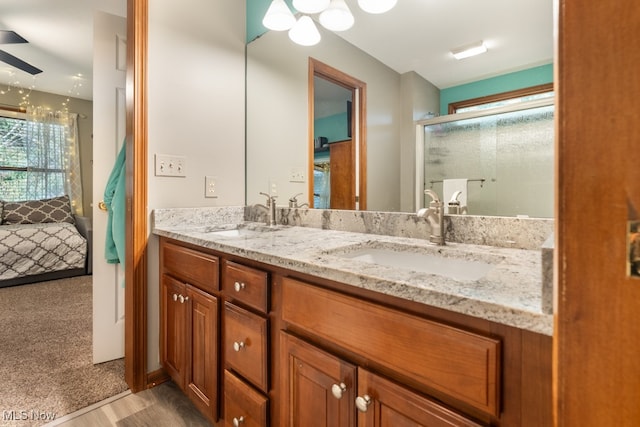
{"points": [[210, 187], [296, 175], [171, 165]]}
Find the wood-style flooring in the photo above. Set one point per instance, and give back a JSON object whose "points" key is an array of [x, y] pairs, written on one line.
{"points": [[161, 406]]}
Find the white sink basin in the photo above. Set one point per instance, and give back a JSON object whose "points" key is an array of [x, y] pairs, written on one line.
{"points": [[461, 266], [234, 232], [239, 230]]}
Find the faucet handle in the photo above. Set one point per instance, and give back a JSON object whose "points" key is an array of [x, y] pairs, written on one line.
{"points": [[434, 196], [293, 200]]}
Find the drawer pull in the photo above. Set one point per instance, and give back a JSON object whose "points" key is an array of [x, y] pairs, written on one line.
{"points": [[238, 421], [238, 345], [363, 402], [175, 297], [338, 390], [238, 286]]}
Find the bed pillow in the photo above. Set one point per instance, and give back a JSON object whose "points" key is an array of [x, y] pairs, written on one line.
{"points": [[56, 209]]}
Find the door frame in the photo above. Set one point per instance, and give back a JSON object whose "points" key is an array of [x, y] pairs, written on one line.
{"points": [[359, 124], [136, 235]]}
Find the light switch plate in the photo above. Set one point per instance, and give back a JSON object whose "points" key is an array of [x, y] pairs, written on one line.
{"points": [[296, 175], [171, 165]]}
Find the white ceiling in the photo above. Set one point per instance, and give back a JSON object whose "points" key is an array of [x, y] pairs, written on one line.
{"points": [[416, 35], [60, 35]]}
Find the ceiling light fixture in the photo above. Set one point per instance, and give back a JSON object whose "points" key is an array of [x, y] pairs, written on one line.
{"points": [[377, 6], [310, 6], [335, 15], [278, 16], [469, 50], [305, 32]]}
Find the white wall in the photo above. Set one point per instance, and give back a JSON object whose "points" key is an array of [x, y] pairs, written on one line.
{"points": [[195, 109], [277, 115]]}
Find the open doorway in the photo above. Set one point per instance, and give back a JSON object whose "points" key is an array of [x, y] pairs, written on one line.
{"points": [[337, 160]]}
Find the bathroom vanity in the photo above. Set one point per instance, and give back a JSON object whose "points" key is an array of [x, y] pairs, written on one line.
{"points": [[300, 326]]}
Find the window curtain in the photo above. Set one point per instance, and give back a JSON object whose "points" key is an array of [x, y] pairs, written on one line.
{"points": [[53, 156]]}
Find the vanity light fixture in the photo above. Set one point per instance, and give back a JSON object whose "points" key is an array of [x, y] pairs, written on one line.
{"points": [[335, 15], [469, 50]]}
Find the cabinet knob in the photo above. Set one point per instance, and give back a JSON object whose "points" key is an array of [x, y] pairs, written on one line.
{"points": [[238, 286], [338, 389], [363, 402], [181, 298], [238, 345], [175, 297], [238, 421]]}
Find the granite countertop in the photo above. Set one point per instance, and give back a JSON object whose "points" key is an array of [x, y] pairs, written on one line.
{"points": [[509, 293]]}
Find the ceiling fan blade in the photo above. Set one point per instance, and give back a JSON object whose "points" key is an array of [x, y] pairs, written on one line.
{"points": [[7, 36], [18, 63]]}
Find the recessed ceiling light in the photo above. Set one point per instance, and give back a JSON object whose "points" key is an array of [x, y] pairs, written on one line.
{"points": [[469, 50]]}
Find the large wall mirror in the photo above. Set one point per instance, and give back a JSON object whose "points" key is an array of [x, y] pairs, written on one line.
{"points": [[402, 89]]}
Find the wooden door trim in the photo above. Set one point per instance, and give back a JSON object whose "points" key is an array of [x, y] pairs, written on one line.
{"points": [[135, 299], [596, 346], [340, 78]]}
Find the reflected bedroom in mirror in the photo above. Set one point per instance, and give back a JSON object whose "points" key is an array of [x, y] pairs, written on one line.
{"points": [[422, 118]]}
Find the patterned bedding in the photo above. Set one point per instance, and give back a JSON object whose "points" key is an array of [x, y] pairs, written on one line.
{"points": [[28, 249]]}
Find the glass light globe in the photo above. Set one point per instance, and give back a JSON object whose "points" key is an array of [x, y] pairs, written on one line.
{"points": [[310, 6], [278, 17], [305, 32], [337, 17], [377, 6]]}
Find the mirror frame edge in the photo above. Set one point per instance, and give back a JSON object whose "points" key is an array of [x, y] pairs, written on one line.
{"points": [[338, 77]]}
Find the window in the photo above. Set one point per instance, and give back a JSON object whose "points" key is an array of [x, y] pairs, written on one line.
{"points": [[501, 99], [32, 159]]}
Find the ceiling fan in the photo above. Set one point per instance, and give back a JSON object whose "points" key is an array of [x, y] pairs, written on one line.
{"points": [[11, 37]]}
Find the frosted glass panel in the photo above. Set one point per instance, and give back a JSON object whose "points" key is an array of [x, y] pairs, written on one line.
{"points": [[511, 152]]}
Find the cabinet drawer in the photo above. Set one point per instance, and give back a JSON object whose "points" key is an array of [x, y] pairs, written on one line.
{"points": [[246, 285], [245, 344], [454, 362], [242, 404], [192, 266]]}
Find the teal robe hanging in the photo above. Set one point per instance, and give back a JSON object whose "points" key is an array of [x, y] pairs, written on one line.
{"points": [[115, 200]]}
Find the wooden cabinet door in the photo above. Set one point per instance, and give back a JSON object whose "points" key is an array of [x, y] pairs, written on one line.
{"points": [[173, 329], [318, 388], [342, 182], [382, 403], [202, 372]]}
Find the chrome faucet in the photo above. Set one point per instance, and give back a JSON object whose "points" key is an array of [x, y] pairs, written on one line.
{"points": [[293, 202], [435, 216], [271, 209]]}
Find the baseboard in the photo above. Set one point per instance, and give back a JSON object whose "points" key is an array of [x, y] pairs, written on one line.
{"points": [[157, 377]]}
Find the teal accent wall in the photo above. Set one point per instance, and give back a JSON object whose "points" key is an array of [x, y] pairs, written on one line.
{"points": [[255, 12], [504, 83], [333, 127]]}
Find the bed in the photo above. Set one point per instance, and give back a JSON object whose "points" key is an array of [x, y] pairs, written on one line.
{"points": [[42, 240]]}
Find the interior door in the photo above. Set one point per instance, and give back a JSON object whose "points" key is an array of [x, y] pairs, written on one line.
{"points": [[109, 128]]}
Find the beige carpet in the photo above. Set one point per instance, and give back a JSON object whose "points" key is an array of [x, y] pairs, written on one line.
{"points": [[45, 353]]}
